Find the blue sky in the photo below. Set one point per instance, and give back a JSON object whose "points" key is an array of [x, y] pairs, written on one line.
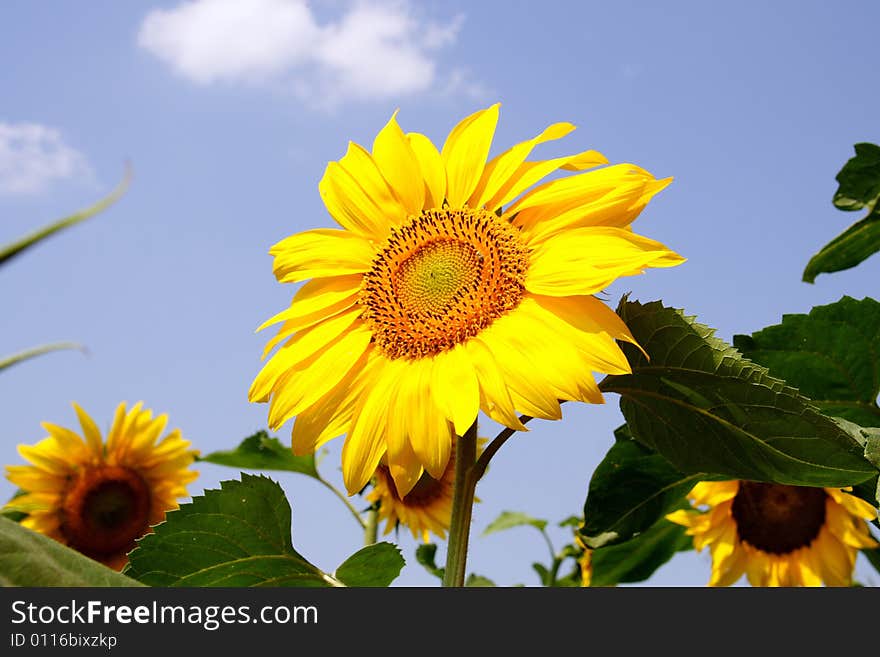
{"points": [[229, 111]]}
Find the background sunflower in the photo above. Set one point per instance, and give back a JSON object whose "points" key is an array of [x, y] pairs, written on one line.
{"points": [[777, 535], [100, 497]]}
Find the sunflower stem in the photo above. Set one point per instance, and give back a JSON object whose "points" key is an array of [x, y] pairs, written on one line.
{"points": [[371, 530], [462, 507]]}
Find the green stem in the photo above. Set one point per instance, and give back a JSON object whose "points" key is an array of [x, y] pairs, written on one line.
{"points": [[462, 507], [371, 530], [345, 501]]}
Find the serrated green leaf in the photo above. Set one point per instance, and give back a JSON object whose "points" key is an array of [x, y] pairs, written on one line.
{"points": [[859, 179], [33, 352], [510, 519], [264, 452], [426, 553], [8, 251], [31, 559], [630, 490], [637, 559], [238, 535], [375, 565], [705, 408], [478, 580], [832, 355]]}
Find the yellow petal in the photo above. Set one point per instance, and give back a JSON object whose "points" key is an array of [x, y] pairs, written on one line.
{"points": [[465, 152], [47, 456], [494, 397], [417, 437], [501, 168], [35, 480], [857, 507], [836, 561], [617, 208], [352, 207], [587, 260], [321, 252], [432, 168], [713, 493], [363, 169], [326, 298], [307, 381], [331, 415], [90, 430], [400, 166], [301, 346], [69, 442], [530, 173], [365, 443], [455, 388], [588, 324], [530, 393]]}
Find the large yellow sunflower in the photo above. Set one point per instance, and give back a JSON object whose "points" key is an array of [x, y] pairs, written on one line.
{"points": [[455, 285], [777, 535], [96, 497]]}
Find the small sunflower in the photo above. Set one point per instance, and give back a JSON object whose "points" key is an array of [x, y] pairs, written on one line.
{"points": [[426, 509], [778, 535], [96, 497], [456, 284]]}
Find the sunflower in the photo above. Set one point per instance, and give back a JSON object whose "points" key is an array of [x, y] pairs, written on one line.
{"points": [[426, 508], [778, 535], [455, 285], [96, 497]]}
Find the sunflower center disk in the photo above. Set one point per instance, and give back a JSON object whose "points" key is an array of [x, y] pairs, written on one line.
{"points": [[105, 510], [778, 519], [440, 279]]}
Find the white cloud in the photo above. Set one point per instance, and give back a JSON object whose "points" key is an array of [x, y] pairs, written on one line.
{"points": [[32, 156], [374, 50]]}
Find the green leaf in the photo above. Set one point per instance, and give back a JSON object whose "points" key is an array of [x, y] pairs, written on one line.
{"points": [[426, 553], [15, 515], [705, 408], [26, 354], [13, 249], [478, 580], [263, 452], [238, 535], [872, 446], [510, 519], [638, 558], [630, 490], [571, 521], [543, 573], [31, 559], [375, 565], [851, 247], [859, 179], [832, 355], [859, 187]]}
